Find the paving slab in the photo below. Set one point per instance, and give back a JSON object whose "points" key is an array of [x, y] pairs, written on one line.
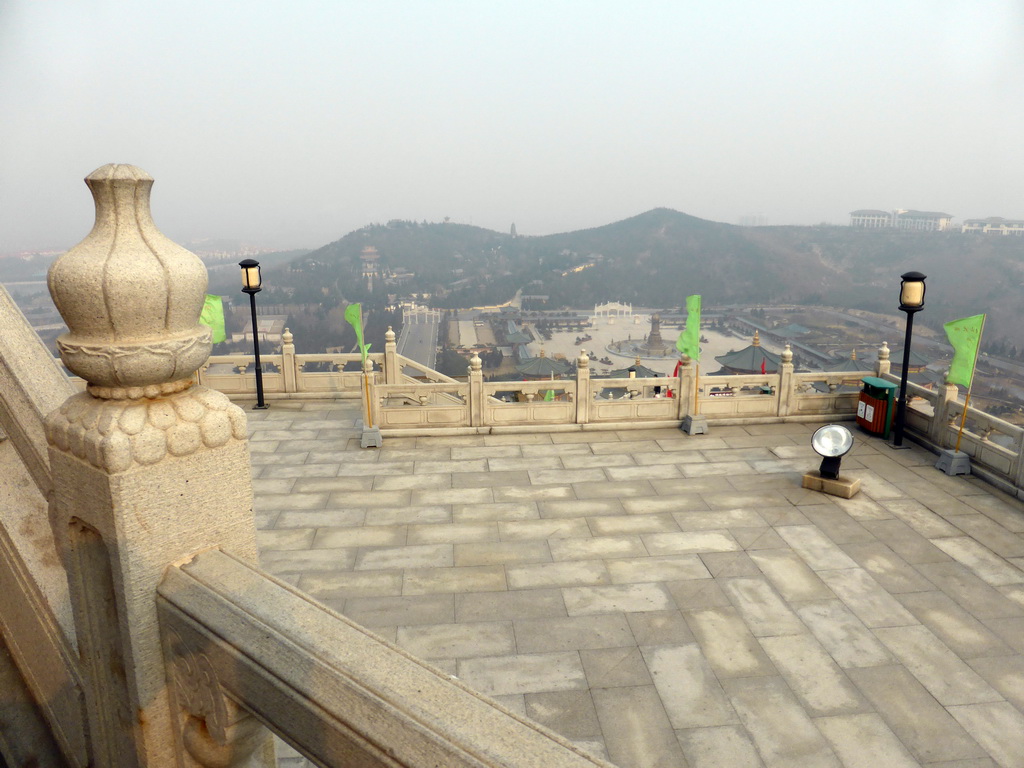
{"points": [[727, 745], [865, 741], [636, 729], [689, 689], [615, 667], [782, 731], [818, 682], [524, 673], [572, 633], [450, 641], [844, 635]]}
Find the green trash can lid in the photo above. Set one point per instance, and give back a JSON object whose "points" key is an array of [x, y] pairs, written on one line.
{"points": [[874, 381]]}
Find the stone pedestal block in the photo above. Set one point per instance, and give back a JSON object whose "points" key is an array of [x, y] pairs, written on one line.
{"points": [[954, 462], [371, 438], [844, 487], [695, 425]]}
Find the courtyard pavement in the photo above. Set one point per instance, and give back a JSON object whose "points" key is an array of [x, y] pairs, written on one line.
{"points": [[667, 600]]}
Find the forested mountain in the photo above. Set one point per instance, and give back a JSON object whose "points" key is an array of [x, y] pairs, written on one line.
{"points": [[658, 257]]}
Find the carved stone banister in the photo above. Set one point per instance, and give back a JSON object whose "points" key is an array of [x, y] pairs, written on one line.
{"points": [[336, 692], [31, 385]]}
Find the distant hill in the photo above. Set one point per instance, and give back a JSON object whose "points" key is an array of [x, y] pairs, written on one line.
{"points": [[658, 257]]}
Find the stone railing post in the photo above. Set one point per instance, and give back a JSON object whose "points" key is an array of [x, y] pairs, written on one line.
{"points": [[685, 386], [370, 396], [583, 394], [938, 427], [883, 366], [786, 395], [476, 391], [391, 372], [289, 365], [149, 469]]}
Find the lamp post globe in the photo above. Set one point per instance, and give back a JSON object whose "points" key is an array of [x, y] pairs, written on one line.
{"points": [[252, 283], [911, 301]]}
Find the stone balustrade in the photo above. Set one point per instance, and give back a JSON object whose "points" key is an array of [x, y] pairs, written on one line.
{"points": [[431, 401]]}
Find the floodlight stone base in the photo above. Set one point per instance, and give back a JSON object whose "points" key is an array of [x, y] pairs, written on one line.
{"points": [[371, 438], [695, 425], [843, 487], [954, 462]]}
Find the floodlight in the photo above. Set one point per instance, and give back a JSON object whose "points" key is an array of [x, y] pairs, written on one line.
{"points": [[831, 442]]}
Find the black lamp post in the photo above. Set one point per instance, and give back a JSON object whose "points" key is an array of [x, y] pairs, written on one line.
{"points": [[911, 301], [252, 284]]}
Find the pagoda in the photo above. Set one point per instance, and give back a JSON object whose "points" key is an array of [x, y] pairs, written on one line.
{"points": [[752, 359]]}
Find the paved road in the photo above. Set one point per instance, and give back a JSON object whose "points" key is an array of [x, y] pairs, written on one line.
{"points": [[419, 340]]}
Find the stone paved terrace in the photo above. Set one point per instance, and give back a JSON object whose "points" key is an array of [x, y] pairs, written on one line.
{"points": [[667, 600]]}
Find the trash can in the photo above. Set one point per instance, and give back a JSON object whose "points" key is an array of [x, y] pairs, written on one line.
{"points": [[875, 408]]}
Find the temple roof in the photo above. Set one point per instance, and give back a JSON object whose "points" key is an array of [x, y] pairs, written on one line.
{"points": [[642, 372], [749, 359], [543, 367], [849, 364], [917, 360]]}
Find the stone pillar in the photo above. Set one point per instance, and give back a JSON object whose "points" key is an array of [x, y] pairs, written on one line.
{"points": [[289, 366], [369, 394], [938, 428], [883, 361], [476, 391], [785, 396], [583, 394], [391, 372], [685, 385], [148, 467]]}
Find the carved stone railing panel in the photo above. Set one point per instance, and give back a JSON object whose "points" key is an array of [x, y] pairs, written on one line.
{"points": [[330, 688]]}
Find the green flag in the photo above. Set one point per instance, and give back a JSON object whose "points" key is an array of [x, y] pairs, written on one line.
{"points": [[688, 342], [213, 316], [965, 336], [354, 316], [550, 396]]}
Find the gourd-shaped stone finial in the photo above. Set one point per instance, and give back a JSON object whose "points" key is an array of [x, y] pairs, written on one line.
{"points": [[475, 363], [787, 355], [130, 296], [389, 335], [883, 351], [583, 361], [287, 337]]}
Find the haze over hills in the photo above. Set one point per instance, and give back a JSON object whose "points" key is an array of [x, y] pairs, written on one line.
{"points": [[658, 257]]}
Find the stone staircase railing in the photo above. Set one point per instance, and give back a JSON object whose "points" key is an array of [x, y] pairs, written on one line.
{"points": [[39, 671], [240, 643]]}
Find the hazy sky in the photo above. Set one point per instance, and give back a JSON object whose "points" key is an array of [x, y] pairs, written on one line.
{"points": [[292, 123]]}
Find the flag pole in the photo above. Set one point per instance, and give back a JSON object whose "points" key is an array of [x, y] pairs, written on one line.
{"points": [[369, 407], [967, 398], [696, 387]]}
